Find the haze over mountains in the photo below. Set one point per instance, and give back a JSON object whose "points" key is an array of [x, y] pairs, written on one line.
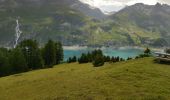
{"points": [[75, 23]]}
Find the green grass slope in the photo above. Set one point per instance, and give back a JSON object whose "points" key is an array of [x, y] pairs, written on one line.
{"points": [[140, 79]]}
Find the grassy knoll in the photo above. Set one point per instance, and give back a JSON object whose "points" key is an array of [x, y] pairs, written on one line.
{"points": [[140, 79]]}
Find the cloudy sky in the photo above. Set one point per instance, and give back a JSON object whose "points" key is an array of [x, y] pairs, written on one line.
{"points": [[115, 5]]}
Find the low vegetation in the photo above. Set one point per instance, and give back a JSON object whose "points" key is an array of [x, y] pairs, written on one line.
{"points": [[97, 58], [139, 79]]}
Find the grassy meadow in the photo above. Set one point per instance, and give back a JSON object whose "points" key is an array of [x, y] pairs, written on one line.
{"points": [[140, 79]]}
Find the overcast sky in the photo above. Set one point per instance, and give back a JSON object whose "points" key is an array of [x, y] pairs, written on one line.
{"points": [[115, 5]]}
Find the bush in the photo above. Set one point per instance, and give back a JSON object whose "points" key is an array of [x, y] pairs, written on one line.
{"points": [[83, 59], [129, 58], [98, 60], [107, 58], [147, 51], [143, 55], [71, 60]]}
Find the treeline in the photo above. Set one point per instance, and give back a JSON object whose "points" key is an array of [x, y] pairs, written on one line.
{"points": [[29, 56], [97, 58]]}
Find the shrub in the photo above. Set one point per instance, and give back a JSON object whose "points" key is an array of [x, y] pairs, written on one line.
{"points": [[129, 58], [98, 60], [83, 59], [143, 55], [147, 51], [71, 60], [107, 58]]}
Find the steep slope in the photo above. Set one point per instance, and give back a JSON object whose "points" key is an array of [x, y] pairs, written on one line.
{"points": [[45, 19], [146, 24], [140, 79], [75, 23]]}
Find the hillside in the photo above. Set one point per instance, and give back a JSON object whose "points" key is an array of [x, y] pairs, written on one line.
{"points": [[145, 24], [45, 19], [140, 79], [75, 23]]}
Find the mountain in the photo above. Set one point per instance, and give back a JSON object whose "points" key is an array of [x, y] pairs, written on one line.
{"points": [[75, 23], [145, 24], [88, 10], [45, 19]]}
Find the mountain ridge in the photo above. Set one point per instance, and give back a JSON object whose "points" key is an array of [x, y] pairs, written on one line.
{"points": [[65, 21]]}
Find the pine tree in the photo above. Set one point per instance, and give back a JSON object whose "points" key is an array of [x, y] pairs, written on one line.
{"points": [[59, 52], [32, 54], [83, 59], [5, 69], [49, 54], [89, 55], [147, 51], [74, 59], [69, 60], [98, 60], [17, 61]]}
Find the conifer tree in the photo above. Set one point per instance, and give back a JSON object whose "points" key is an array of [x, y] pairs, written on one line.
{"points": [[147, 51], [49, 54], [32, 54], [5, 69], [17, 61], [59, 52], [98, 60]]}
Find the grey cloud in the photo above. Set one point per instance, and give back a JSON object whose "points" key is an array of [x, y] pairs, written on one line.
{"points": [[165, 1]]}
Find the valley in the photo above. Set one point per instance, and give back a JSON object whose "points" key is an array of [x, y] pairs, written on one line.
{"points": [[75, 23]]}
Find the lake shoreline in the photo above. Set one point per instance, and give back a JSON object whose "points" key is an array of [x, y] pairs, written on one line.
{"points": [[77, 47]]}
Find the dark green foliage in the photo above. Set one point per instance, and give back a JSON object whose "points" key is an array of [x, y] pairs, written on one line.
{"points": [[59, 52], [121, 59], [83, 59], [4, 65], [28, 56], [137, 57], [98, 60], [90, 58], [32, 54], [147, 51], [5, 51], [49, 54], [71, 60], [116, 59], [96, 52], [74, 59], [17, 61], [143, 55], [107, 58], [129, 58], [96, 57]]}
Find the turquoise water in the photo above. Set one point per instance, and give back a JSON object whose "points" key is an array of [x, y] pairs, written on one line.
{"points": [[124, 52]]}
